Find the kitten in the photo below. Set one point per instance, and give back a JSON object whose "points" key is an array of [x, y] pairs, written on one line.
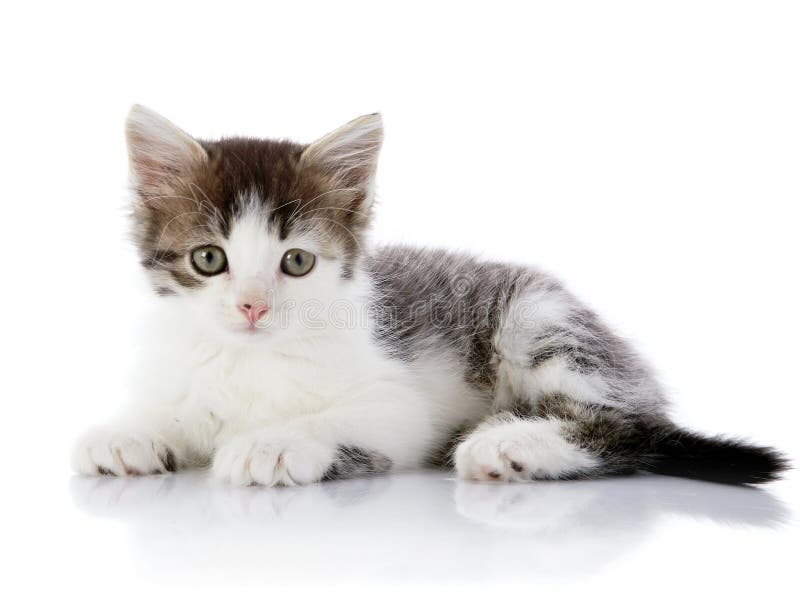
{"points": [[286, 351]]}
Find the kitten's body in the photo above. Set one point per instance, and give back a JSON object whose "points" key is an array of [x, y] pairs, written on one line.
{"points": [[375, 359]]}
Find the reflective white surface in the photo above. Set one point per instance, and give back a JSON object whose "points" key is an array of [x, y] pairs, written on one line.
{"points": [[424, 529]]}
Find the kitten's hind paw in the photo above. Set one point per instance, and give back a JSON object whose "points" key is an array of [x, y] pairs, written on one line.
{"points": [[102, 452], [520, 450]]}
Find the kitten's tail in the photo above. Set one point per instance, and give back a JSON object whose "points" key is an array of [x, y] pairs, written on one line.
{"points": [[682, 453]]}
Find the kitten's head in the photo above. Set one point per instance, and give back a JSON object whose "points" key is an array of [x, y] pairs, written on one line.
{"points": [[248, 232]]}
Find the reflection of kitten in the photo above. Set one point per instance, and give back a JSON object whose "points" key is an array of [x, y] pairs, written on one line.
{"points": [[560, 528], [287, 352]]}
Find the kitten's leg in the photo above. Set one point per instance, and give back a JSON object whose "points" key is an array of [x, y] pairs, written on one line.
{"points": [[574, 399], [560, 439], [357, 437]]}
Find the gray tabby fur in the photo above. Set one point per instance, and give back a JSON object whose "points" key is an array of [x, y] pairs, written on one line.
{"points": [[434, 300]]}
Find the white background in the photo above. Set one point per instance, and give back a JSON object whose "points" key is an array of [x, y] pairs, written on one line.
{"points": [[647, 152]]}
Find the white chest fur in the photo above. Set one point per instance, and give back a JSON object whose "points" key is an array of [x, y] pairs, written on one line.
{"points": [[214, 389]]}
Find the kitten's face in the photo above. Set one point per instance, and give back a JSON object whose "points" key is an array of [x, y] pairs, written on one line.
{"points": [[258, 237]]}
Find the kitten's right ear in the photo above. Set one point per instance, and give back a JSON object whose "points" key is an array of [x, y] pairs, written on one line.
{"points": [[159, 152]]}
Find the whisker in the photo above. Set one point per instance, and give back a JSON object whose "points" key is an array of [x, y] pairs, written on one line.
{"points": [[352, 235], [318, 196]]}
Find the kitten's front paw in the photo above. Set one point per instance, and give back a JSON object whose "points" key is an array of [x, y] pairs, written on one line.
{"points": [[270, 457], [102, 452]]}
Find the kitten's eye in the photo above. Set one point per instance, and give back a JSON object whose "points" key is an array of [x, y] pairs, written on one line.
{"points": [[209, 260], [297, 262]]}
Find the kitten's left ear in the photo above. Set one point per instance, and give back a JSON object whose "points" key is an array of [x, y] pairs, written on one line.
{"points": [[349, 156], [160, 153]]}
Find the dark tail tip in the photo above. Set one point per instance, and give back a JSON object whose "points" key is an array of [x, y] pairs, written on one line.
{"points": [[685, 454]]}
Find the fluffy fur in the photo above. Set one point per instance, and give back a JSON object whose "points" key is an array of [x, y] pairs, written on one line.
{"points": [[377, 359]]}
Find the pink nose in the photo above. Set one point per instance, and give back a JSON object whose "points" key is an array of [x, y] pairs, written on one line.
{"points": [[253, 312]]}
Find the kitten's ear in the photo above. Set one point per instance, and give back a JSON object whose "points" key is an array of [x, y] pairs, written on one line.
{"points": [[159, 152], [349, 155]]}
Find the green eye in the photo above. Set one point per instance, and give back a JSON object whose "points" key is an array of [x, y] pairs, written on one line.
{"points": [[209, 260], [297, 262]]}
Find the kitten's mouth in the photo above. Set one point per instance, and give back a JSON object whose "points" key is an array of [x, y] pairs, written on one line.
{"points": [[251, 329]]}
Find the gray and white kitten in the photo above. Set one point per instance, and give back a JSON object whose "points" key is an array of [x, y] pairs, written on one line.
{"points": [[285, 351]]}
